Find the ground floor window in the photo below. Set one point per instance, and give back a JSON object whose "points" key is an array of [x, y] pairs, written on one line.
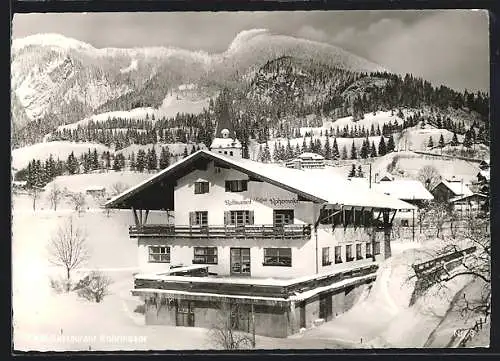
{"points": [[358, 252], [159, 254], [338, 254], [376, 248], [205, 255], [348, 253], [278, 257], [368, 249], [326, 256]]}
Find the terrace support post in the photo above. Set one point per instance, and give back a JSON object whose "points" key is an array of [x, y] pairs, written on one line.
{"points": [[413, 226], [253, 326], [146, 216], [137, 224], [387, 233]]}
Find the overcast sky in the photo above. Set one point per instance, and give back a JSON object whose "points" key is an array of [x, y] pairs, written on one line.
{"points": [[446, 47]]}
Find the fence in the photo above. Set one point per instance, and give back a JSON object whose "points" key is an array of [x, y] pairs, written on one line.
{"points": [[427, 230], [441, 261]]}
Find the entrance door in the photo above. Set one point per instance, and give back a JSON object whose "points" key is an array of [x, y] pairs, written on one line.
{"points": [[302, 311], [325, 307], [184, 315], [240, 261]]}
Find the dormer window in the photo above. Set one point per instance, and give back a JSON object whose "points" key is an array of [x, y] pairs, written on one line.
{"points": [[201, 187], [236, 186]]}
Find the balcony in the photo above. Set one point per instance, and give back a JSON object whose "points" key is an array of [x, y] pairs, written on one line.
{"points": [[288, 231]]}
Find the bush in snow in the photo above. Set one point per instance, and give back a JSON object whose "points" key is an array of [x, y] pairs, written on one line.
{"points": [[225, 332], [94, 286]]}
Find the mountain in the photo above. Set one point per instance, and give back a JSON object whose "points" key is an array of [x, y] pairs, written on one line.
{"points": [[57, 80]]}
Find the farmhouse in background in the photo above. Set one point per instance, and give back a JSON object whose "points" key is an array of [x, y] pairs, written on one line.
{"points": [[307, 160], [95, 191], [459, 196], [449, 189], [408, 190], [291, 247]]}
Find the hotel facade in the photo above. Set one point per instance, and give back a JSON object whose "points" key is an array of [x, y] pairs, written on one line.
{"points": [[290, 247]]}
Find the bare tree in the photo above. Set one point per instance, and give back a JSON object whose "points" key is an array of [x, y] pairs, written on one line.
{"points": [[225, 332], [475, 265], [68, 248], [94, 286], [422, 214], [55, 195], [118, 188], [429, 176], [78, 201], [35, 195], [439, 214]]}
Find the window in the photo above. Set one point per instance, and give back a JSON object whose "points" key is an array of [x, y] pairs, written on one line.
{"points": [[404, 223], [231, 153], [376, 248], [159, 254], [278, 257], [282, 217], [326, 256], [338, 254], [238, 218], [205, 255], [358, 252], [236, 185], [225, 152], [198, 218], [368, 249], [348, 253], [200, 187]]}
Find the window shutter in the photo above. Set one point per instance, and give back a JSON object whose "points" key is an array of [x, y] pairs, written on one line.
{"points": [[227, 217], [228, 189], [192, 218], [250, 217]]}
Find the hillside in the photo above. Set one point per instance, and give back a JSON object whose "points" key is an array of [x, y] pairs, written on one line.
{"points": [[71, 79]]}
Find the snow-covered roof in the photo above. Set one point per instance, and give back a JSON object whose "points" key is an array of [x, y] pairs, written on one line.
{"points": [[457, 187], [406, 189], [320, 185], [459, 198], [308, 155], [225, 143]]}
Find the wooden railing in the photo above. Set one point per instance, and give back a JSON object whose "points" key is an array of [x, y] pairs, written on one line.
{"points": [[260, 288], [294, 231], [425, 267]]}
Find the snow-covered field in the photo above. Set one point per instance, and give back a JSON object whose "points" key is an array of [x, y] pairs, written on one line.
{"points": [[172, 104], [59, 149]]}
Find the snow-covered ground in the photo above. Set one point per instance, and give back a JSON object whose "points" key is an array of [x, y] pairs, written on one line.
{"points": [[59, 149], [384, 316], [172, 104]]}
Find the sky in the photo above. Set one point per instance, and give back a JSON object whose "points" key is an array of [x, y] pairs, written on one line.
{"points": [[449, 47]]}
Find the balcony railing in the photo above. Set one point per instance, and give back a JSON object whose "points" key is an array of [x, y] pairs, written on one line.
{"points": [[252, 287], [288, 231]]}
